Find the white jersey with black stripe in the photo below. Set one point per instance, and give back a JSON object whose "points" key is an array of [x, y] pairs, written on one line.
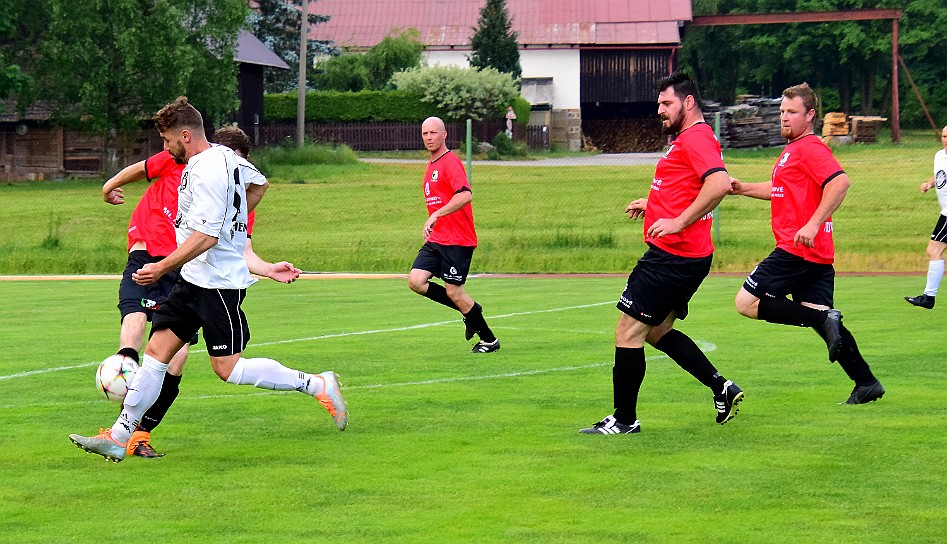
{"points": [[212, 200], [940, 179]]}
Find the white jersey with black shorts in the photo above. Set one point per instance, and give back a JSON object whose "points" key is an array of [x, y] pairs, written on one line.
{"points": [[940, 185], [212, 200]]}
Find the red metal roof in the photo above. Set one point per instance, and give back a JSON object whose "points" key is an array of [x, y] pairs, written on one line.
{"points": [[450, 23]]}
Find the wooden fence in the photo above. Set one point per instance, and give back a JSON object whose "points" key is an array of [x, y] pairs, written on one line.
{"points": [[397, 136]]}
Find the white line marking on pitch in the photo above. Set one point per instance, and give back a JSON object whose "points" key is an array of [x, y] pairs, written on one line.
{"points": [[322, 337]]}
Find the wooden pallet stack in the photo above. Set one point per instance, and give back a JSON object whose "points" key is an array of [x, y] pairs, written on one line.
{"points": [[752, 122], [834, 124]]}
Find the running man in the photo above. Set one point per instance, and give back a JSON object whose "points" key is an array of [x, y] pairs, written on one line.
{"points": [[449, 237], [938, 243], [689, 181], [211, 229], [806, 188]]}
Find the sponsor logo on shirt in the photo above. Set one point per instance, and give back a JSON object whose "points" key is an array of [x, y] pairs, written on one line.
{"points": [[220, 346], [668, 152], [778, 192], [827, 227], [656, 184]]}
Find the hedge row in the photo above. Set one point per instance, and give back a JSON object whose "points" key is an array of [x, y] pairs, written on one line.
{"points": [[335, 107]]}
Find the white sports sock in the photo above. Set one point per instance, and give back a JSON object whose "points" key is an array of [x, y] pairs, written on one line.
{"points": [[268, 374], [935, 271], [142, 393]]}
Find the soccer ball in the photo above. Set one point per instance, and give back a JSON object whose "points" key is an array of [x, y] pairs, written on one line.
{"points": [[113, 376]]}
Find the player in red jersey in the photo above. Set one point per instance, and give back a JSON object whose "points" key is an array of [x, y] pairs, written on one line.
{"points": [[689, 181], [449, 237], [806, 188]]}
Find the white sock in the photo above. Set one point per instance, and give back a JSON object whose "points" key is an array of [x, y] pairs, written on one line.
{"points": [[935, 271], [268, 374], [142, 393]]}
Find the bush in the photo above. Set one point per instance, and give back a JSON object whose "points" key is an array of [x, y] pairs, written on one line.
{"points": [[461, 93], [505, 147], [340, 107]]}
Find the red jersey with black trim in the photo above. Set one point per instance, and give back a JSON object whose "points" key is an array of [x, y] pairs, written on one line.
{"points": [[678, 179], [152, 222], [799, 179], [444, 178]]}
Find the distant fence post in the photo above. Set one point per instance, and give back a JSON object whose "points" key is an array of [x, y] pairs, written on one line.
{"points": [[469, 151], [716, 215]]}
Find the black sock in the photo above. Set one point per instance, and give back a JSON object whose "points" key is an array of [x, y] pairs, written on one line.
{"points": [[437, 293], [129, 352], [851, 361], [786, 312], [627, 376], [169, 392], [475, 319], [683, 351]]}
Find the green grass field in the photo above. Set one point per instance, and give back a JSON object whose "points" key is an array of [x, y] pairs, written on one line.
{"points": [[368, 217], [447, 446]]}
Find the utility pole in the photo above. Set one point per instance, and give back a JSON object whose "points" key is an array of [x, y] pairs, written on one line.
{"points": [[301, 86]]}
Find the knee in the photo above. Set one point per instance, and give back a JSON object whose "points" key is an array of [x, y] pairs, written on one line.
{"points": [[747, 305], [417, 285]]}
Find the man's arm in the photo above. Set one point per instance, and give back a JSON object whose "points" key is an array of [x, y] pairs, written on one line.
{"points": [[928, 185], [716, 186], [112, 192], [255, 195], [282, 271], [196, 243], [832, 196], [762, 191], [458, 201]]}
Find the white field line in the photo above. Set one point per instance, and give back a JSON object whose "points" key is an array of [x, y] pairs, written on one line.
{"points": [[704, 346], [321, 337]]}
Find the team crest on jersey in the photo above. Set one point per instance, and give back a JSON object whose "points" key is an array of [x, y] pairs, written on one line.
{"points": [[668, 152], [941, 179], [434, 176], [782, 161]]}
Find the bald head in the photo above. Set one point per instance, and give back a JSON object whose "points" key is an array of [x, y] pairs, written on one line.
{"points": [[434, 136]]}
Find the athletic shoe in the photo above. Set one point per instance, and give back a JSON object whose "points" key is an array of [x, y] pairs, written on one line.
{"points": [[727, 402], [139, 445], [831, 332], [331, 399], [101, 444], [610, 425], [922, 300], [863, 394], [486, 347]]}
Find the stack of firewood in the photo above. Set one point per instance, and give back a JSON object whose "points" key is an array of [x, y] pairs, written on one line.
{"points": [[752, 122], [623, 135]]}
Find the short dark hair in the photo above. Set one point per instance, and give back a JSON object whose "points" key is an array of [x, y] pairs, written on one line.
{"points": [[809, 100], [178, 115], [683, 85], [234, 138]]}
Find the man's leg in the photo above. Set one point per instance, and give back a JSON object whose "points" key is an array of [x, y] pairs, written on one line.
{"points": [[132, 335], [270, 374], [474, 321], [782, 311], [140, 442], [419, 282], [935, 273]]}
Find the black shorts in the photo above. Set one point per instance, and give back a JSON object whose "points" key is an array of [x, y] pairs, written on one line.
{"points": [[662, 283], [134, 298], [782, 273], [216, 311], [450, 263], [940, 230]]}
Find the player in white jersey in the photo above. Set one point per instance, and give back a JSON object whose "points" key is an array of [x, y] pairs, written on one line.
{"points": [[938, 243], [211, 228]]}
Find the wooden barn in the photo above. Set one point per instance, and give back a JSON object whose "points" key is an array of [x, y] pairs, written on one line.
{"points": [[582, 60]]}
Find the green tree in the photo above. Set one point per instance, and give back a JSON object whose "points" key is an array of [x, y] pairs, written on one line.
{"points": [[494, 42], [21, 22], [373, 69], [276, 23], [460, 92], [105, 65]]}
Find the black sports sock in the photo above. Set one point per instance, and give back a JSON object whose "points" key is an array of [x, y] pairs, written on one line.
{"points": [[627, 376], [786, 312], [129, 352], [475, 319], [852, 362], [683, 351], [437, 293], [169, 392]]}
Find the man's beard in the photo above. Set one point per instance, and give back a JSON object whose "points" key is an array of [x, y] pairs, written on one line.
{"points": [[675, 126]]}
